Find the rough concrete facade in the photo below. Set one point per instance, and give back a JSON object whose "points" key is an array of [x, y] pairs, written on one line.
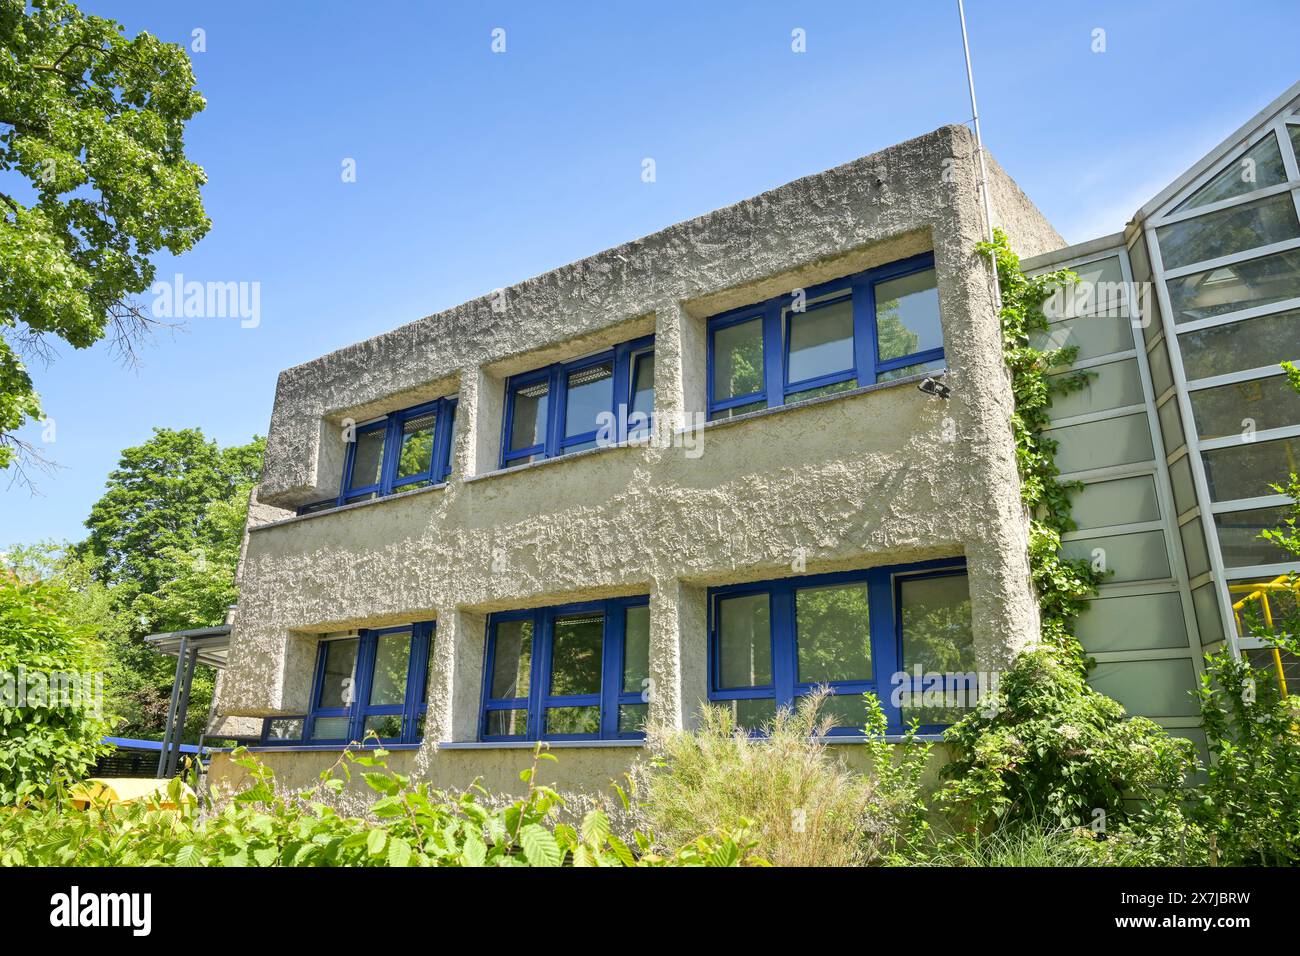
{"points": [[879, 476]]}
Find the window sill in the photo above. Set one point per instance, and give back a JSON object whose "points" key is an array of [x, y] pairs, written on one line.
{"points": [[821, 399], [320, 748], [933, 738], [292, 519], [530, 744]]}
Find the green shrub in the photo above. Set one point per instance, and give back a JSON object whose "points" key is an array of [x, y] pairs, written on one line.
{"points": [[1050, 748], [801, 804], [408, 826], [1250, 803], [44, 739], [1041, 845]]}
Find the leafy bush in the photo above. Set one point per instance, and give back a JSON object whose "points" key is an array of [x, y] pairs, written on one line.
{"points": [[1051, 748], [801, 805], [44, 739], [409, 826]]}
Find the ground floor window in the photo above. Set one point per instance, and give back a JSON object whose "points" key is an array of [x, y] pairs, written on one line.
{"points": [[373, 682], [569, 672], [902, 633]]}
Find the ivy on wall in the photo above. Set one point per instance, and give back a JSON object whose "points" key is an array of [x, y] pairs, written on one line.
{"points": [[1062, 584]]}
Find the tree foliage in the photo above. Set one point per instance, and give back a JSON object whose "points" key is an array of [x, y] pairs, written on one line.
{"points": [[94, 182]]}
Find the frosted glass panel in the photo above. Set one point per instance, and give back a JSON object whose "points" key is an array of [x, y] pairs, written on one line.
{"points": [[1149, 688], [1126, 501], [1132, 623], [1132, 557], [1093, 336], [1116, 441], [1109, 386]]}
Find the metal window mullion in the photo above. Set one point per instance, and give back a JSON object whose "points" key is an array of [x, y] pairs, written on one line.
{"points": [[556, 409], [864, 332], [782, 635], [1199, 481], [613, 650], [539, 676], [885, 622], [773, 356]]}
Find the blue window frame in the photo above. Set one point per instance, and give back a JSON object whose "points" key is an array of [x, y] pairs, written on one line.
{"points": [[569, 672], [889, 631], [404, 450], [603, 399], [865, 328], [374, 682]]}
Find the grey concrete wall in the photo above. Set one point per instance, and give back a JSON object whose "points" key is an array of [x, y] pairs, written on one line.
{"points": [[884, 476]]}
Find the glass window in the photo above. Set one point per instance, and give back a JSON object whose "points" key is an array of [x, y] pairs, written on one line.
{"points": [[576, 654], [528, 422], [590, 392], [285, 728], [907, 316], [416, 455], [1238, 346], [1099, 291], [833, 630], [368, 458], [1240, 407], [821, 341], [738, 360], [774, 641], [744, 641], [1240, 541], [643, 395], [331, 728], [936, 624], [512, 659], [1228, 231], [571, 697], [636, 653], [336, 689], [1260, 166], [392, 664], [1241, 285], [1250, 469]]}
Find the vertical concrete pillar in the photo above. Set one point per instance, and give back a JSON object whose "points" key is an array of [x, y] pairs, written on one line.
{"points": [[479, 409], [678, 652], [680, 364]]}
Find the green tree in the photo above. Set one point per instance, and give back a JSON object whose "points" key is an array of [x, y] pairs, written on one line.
{"points": [[165, 540], [51, 713], [93, 182]]}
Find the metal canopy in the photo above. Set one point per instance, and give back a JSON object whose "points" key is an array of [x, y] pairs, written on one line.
{"points": [[206, 645]]}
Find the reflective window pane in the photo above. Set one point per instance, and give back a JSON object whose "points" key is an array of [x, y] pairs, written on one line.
{"points": [[643, 395], [636, 649], [1256, 405], [907, 316], [1099, 291], [528, 422], [752, 715], [512, 659], [392, 662], [833, 389], [937, 624], [744, 641], [848, 711], [1227, 231], [590, 391], [507, 723], [340, 668], [330, 728], [1235, 287], [1238, 346], [1249, 469], [738, 360], [576, 654], [821, 341], [1259, 166], [386, 726], [1239, 538], [285, 728], [632, 718], [368, 458], [573, 720], [416, 456], [834, 633], [896, 373]]}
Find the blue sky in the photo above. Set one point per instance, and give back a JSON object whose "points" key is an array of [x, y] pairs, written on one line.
{"points": [[475, 170]]}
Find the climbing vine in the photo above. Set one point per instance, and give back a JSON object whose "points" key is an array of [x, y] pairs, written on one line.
{"points": [[1062, 584]]}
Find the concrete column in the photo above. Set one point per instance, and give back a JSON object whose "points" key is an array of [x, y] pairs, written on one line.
{"points": [[680, 363], [480, 410], [678, 652]]}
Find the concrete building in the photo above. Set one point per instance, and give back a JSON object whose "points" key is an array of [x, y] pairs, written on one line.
{"points": [[698, 467]]}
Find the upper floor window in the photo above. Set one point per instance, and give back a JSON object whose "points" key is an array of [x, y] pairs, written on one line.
{"points": [[572, 672], [373, 683], [599, 400], [870, 327], [399, 452], [895, 632]]}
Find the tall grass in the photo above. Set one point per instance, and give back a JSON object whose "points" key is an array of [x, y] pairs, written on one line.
{"points": [[800, 803]]}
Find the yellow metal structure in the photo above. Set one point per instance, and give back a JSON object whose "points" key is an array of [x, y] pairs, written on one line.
{"points": [[1260, 594], [104, 790]]}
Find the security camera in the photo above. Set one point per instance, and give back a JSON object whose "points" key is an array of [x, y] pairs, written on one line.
{"points": [[935, 387]]}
